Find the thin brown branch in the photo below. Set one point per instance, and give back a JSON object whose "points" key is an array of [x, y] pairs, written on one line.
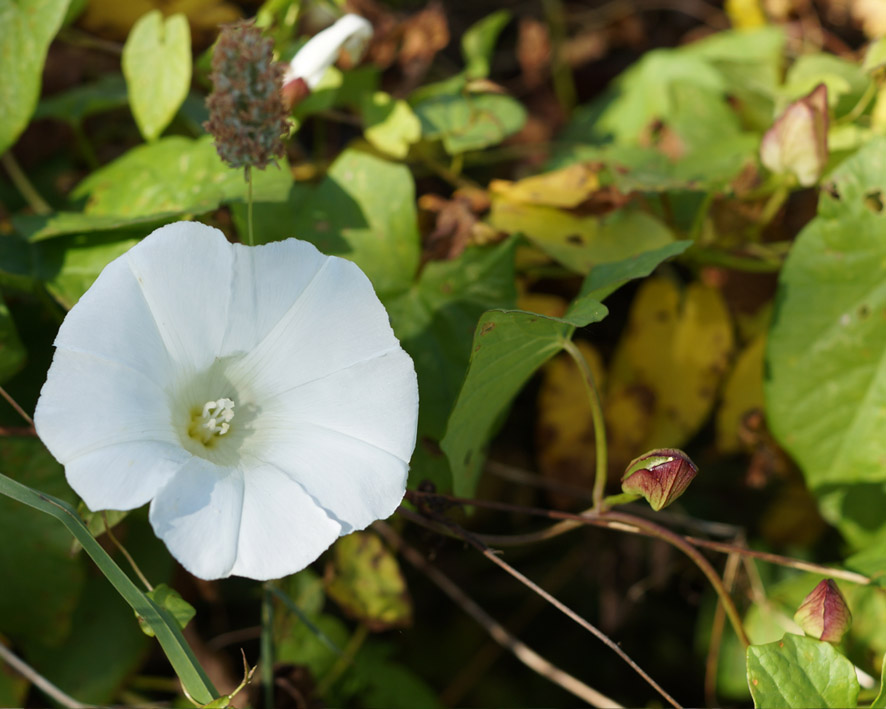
{"points": [[559, 605], [38, 680], [18, 409], [497, 632]]}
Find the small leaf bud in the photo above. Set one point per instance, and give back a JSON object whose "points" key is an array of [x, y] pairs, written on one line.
{"points": [[824, 614], [660, 476]]}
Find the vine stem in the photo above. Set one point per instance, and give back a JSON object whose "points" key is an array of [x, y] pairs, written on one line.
{"points": [[126, 554], [559, 605], [15, 405], [38, 680], [573, 520], [675, 540], [496, 630], [596, 403], [23, 185]]}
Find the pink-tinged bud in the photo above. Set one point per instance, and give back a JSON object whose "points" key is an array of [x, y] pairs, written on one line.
{"points": [[661, 476], [797, 143], [295, 91], [824, 614]]}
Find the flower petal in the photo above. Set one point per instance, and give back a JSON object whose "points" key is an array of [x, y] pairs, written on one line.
{"points": [[185, 271], [355, 481], [375, 401], [113, 320], [336, 323], [320, 52], [282, 528], [197, 515], [125, 475], [88, 403], [267, 280]]}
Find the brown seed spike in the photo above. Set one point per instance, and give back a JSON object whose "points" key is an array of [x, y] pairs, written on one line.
{"points": [[247, 117]]}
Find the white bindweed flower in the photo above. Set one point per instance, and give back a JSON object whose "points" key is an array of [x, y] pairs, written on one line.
{"points": [[350, 32], [256, 396]]}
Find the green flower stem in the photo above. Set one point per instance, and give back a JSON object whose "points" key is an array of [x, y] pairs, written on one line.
{"points": [[194, 680], [622, 499], [23, 185], [267, 645], [250, 235], [773, 205], [599, 422]]}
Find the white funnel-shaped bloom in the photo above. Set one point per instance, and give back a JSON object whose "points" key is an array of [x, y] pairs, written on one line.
{"points": [[255, 396]]}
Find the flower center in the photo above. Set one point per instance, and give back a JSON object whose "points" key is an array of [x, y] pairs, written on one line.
{"points": [[212, 422]]}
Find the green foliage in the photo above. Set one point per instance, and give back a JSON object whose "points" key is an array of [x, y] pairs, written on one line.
{"points": [[827, 679], [28, 28], [469, 121], [478, 43], [824, 397], [173, 175], [157, 67]]}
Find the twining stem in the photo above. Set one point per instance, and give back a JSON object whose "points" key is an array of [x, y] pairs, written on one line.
{"points": [[587, 377], [572, 520], [496, 630], [677, 541], [250, 236], [15, 405], [558, 604], [38, 680], [23, 185], [116, 542], [267, 645]]}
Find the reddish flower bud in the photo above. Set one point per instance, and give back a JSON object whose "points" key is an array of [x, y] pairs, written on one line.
{"points": [[824, 614], [797, 143], [660, 475]]}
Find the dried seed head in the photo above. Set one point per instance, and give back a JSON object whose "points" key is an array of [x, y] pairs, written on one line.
{"points": [[246, 113]]}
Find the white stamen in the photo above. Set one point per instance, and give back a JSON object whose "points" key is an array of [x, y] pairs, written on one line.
{"points": [[215, 411]]}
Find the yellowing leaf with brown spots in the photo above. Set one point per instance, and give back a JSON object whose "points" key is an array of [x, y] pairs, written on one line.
{"points": [[365, 580], [114, 19], [568, 187], [742, 394], [578, 241], [671, 360], [565, 429]]}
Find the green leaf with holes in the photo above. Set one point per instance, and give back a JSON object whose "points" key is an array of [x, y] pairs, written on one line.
{"points": [[800, 672]]}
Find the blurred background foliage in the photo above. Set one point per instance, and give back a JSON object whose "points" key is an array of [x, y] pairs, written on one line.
{"points": [[541, 156]]}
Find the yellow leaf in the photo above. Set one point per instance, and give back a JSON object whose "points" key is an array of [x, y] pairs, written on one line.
{"points": [[114, 19], [364, 578], [742, 393], [553, 306], [745, 13], [565, 430], [670, 361], [568, 187], [576, 241]]}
